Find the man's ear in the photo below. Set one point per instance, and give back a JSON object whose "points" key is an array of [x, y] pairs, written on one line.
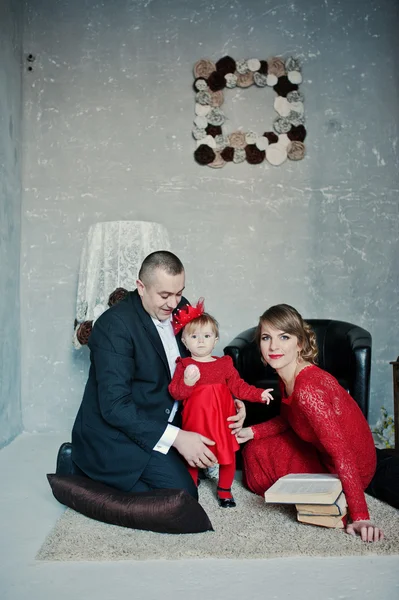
{"points": [[140, 287]]}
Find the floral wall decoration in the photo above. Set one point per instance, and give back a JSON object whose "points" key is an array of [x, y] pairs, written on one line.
{"points": [[214, 147]]}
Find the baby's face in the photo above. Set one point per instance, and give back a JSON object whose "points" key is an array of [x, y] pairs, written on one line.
{"points": [[200, 341]]}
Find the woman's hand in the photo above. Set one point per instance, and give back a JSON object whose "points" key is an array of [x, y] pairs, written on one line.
{"points": [[266, 395], [191, 375], [367, 531], [237, 421], [245, 435]]}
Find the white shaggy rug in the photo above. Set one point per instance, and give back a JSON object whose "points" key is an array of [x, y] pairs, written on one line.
{"points": [[251, 530]]}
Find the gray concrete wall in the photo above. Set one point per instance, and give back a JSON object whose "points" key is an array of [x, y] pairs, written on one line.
{"points": [[108, 116], [10, 217]]}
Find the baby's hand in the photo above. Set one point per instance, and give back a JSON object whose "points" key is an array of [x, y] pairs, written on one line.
{"points": [[266, 395], [191, 375]]}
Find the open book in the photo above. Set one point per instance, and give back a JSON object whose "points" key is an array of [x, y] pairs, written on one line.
{"points": [[323, 520], [338, 508], [305, 488]]}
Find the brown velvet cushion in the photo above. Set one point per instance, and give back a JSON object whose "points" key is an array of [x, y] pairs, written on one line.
{"points": [[164, 511]]}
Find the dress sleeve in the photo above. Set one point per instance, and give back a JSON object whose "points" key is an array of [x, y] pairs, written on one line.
{"points": [[238, 387], [270, 428], [314, 404], [177, 388]]}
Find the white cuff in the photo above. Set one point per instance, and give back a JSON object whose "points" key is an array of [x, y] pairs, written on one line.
{"points": [[169, 436]]}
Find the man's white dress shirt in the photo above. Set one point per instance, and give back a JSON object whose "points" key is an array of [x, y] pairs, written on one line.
{"points": [[168, 339]]}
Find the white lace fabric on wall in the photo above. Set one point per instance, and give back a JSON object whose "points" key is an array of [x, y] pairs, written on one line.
{"points": [[111, 257]]}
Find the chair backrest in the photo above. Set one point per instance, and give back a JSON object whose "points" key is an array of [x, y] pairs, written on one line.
{"points": [[344, 351]]}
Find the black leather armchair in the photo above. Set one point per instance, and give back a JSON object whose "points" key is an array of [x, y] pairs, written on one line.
{"points": [[344, 351]]}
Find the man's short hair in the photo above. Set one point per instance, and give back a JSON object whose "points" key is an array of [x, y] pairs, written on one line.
{"points": [[161, 259]]}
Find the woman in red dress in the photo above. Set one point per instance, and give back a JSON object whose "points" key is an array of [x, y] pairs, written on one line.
{"points": [[205, 384], [320, 427]]}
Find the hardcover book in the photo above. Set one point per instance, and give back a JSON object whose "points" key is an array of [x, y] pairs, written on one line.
{"points": [[305, 488], [323, 520], [337, 508]]}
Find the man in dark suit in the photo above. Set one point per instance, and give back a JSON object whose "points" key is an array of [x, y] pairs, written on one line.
{"points": [[126, 433]]}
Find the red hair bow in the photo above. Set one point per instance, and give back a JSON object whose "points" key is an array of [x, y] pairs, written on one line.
{"points": [[186, 314]]}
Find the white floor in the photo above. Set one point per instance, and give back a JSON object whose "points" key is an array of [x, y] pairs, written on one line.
{"points": [[28, 511]]}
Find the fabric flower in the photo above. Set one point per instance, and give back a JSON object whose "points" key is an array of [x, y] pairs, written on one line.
{"points": [[216, 81], [217, 98], [296, 119], [283, 140], [271, 137], [203, 68], [117, 295], [297, 134], [209, 141], [226, 65], [276, 66], [276, 155], [83, 332], [253, 64], [282, 125], [264, 67], [292, 64], [213, 130], [221, 142], [231, 80], [202, 109], [297, 106], [200, 85], [215, 117], [284, 86], [244, 80], [200, 122], [282, 106], [261, 80], [296, 150], [251, 137], [239, 155], [203, 97], [237, 139], [254, 155], [218, 162], [227, 154], [204, 155], [199, 133], [271, 80], [242, 66], [294, 77], [295, 96], [262, 143]]}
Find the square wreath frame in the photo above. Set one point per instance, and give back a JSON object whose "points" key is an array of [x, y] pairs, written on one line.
{"points": [[214, 148]]}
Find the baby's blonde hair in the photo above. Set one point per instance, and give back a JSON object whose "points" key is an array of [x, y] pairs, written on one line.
{"points": [[201, 321]]}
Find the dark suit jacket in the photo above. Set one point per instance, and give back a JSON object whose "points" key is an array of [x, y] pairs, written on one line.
{"points": [[126, 403]]}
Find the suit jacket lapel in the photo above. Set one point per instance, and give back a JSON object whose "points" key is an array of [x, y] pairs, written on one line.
{"points": [[150, 328]]}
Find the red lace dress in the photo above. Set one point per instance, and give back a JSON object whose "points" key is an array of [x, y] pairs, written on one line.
{"points": [[208, 403], [320, 429]]}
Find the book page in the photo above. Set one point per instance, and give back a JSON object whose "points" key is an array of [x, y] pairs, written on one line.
{"points": [[304, 487]]}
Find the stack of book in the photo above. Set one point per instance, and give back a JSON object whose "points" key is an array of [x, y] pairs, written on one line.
{"points": [[318, 498]]}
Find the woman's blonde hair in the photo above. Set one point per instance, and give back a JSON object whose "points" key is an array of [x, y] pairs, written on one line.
{"points": [[286, 318]]}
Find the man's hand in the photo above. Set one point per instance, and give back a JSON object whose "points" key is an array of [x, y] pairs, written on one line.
{"points": [[367, 531], [245, 435], [266, 395], [194, 448], [191, 375], [237, 421]]}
